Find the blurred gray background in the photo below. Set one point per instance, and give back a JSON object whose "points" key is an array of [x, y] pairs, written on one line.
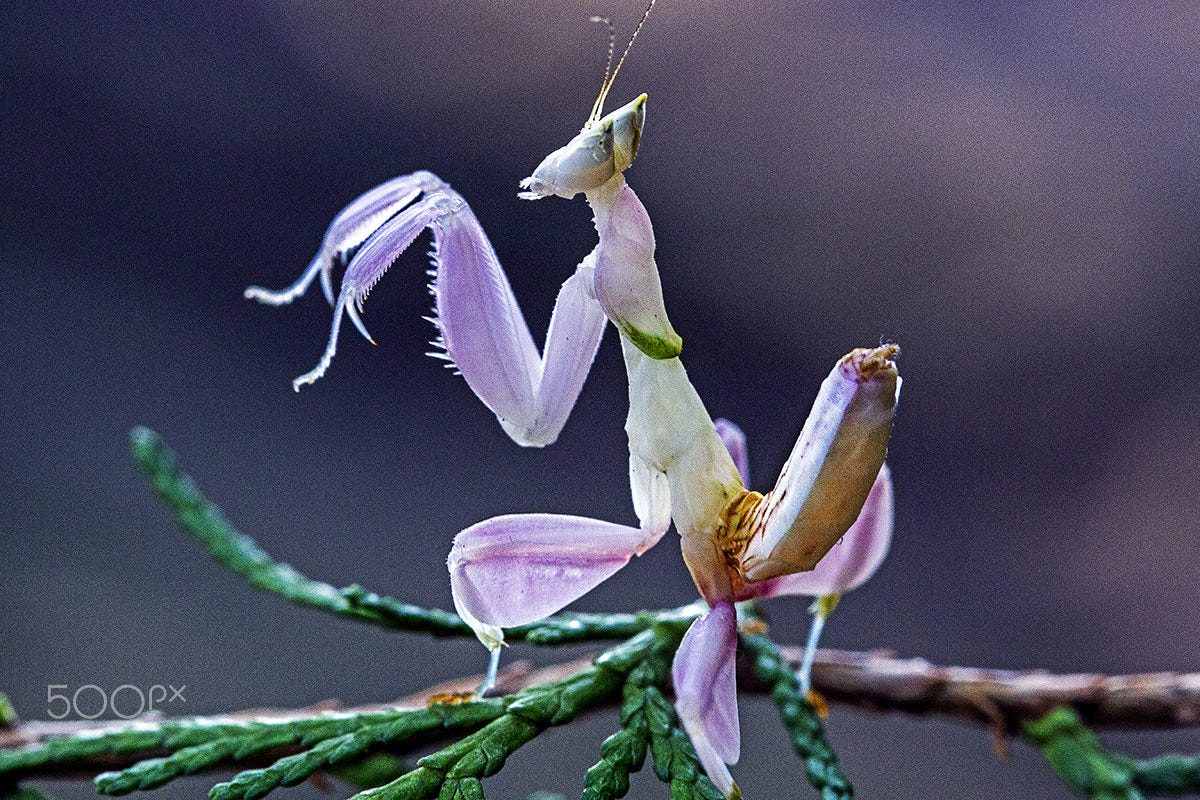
{"points": [[1009, 191]]}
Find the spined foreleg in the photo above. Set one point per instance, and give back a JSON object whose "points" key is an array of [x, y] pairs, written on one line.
{"points": [[481, 328]]}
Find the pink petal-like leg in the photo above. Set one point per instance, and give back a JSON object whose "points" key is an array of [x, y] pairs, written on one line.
{"points": [[735, 442], [705, 681], [482, 330], [847, 565], [519, 568], [485, 336]]}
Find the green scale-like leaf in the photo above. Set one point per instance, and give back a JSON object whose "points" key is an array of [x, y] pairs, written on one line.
{"points": [[804, 728], [455, 770], [623, 753], [1076, 754], [239, 553], [339, 749]]}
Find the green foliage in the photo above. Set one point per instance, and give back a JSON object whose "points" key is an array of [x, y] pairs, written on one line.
{"points": [[8, 714], [361, 747], [674, 757], [648, 723], [197, 744], [350, 747], [801, 721], [370, 771], [455, 771], [624, 752], [1077, 755], [236, 551]]}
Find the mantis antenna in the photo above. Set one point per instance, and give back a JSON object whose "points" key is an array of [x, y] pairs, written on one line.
{"points": [[598, 106], [612, 40]]}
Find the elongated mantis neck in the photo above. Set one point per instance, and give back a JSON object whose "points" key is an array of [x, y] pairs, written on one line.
{"points": [[601, 199]]}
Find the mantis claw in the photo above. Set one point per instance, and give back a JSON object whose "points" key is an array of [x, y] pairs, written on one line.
{"points": [[352, 310], [327, 286]]}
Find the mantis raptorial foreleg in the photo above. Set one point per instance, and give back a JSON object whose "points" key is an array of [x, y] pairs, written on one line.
{"points": [[482, 331]]}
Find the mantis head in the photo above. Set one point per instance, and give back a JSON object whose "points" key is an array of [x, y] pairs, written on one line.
{"points": [[604, 148]]}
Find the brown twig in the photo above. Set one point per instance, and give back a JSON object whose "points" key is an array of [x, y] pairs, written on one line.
{"points": [[876, 681], [882, 682]]}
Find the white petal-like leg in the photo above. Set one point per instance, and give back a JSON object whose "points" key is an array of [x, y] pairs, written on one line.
{"points": [[481, 327], [704, 675], [651, 500]]}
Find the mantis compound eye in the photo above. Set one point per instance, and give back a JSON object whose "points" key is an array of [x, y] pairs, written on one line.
{"points": [[627, 123], [602, 149]]}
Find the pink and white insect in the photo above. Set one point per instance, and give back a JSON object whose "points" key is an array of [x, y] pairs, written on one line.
{"points": [[737, 544]]}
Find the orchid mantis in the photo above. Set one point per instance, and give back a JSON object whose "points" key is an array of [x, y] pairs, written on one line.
{"points": [[737, 544]]}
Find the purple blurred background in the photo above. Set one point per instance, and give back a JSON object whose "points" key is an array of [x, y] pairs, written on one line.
{"points": [[1008, 191]]}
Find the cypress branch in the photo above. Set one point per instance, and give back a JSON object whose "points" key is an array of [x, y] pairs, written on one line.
{"points": [[623, 753], [804, 728], [455, 771], [236, 551], [1076, 754]]}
